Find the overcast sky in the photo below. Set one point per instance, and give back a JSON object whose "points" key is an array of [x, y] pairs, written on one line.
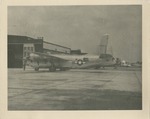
{"points": [[82, 27]]}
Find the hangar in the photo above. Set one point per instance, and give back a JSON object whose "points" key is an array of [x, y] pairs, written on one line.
{"points": [[21, 46], [54, 48]]}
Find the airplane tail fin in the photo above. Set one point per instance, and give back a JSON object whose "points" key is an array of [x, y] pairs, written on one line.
{"points": [[103, 50], [103, 44]]}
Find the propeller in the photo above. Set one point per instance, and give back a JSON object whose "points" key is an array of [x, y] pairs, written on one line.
{"points": [[25, 62]]}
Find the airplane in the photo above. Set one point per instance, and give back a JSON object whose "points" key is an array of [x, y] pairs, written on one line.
{"points": [[39, 60]]}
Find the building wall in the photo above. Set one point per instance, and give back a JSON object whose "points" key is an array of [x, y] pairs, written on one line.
{"points": [[38, 47], [27, 49], [20, 47]]}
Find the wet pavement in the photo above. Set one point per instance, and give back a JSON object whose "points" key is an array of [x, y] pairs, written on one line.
{"points": [[75, 90]]}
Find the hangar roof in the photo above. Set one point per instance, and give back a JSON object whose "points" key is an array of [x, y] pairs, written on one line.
{"points": [[15, 39]]}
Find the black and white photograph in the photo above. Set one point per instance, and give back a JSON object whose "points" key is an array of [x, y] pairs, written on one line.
{"points": [[74, 57]]}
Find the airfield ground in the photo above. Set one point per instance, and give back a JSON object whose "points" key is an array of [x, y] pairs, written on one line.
{"points": [[103, 89]]}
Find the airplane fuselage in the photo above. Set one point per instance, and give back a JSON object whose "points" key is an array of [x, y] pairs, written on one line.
{"points": [[70, 61]]}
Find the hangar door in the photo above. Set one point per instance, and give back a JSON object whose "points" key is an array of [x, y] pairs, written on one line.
{"points": [[15, 55]]}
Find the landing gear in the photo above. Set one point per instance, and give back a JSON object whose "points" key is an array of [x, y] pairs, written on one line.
{"points": [[80, 62], [36, 69], [52, 69]]}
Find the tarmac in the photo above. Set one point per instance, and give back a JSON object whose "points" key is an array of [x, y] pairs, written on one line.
{"points": [[76, 89]]}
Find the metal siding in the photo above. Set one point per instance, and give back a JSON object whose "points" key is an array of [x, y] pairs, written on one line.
{"points": [[56, 48]]}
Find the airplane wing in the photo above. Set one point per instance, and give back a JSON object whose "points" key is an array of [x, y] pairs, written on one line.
{"points": [[48, 56]]}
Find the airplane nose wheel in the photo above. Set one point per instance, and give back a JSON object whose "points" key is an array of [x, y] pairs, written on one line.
{"points": [[79, 62]]}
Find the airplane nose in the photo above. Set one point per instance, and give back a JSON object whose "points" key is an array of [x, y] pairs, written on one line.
{"points": [[114, 59]]}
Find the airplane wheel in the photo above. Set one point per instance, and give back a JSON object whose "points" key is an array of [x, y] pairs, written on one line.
{"points": [[36, 69], [79, 62]]}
